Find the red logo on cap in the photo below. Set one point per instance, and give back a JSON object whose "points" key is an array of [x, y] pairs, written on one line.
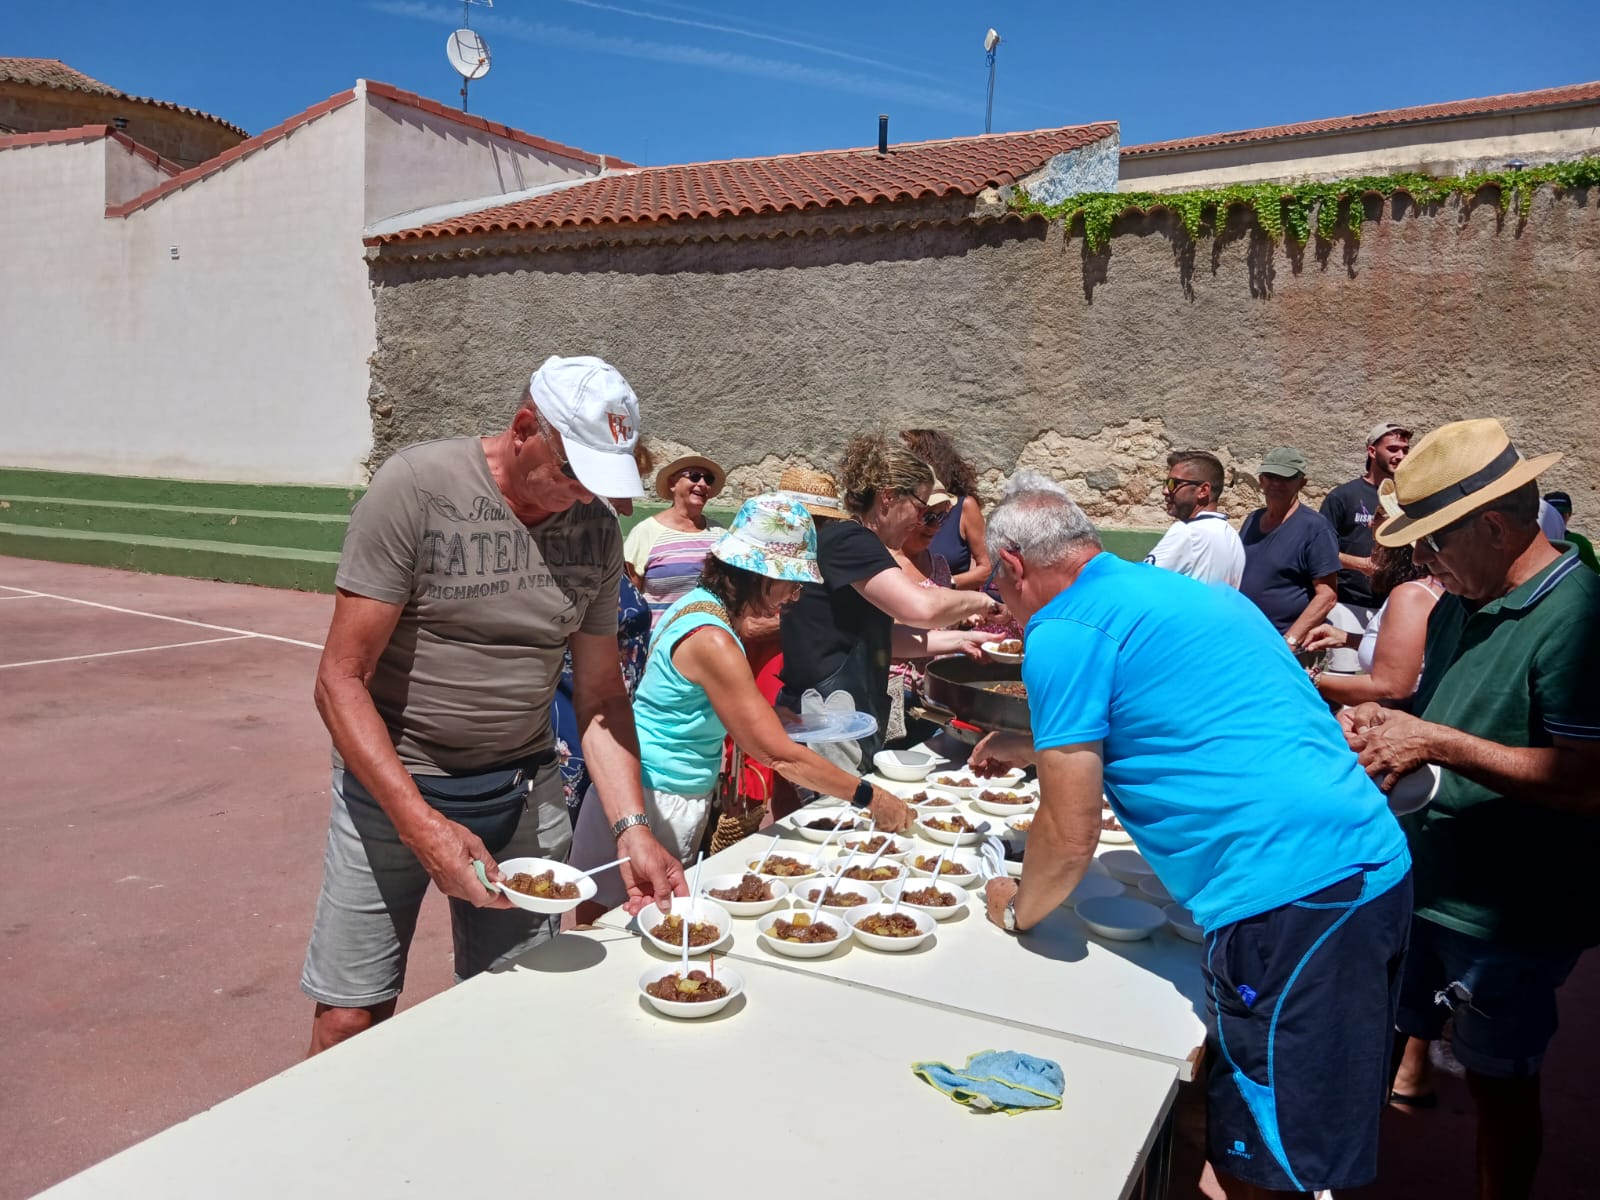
{"points": [[620, 429]]}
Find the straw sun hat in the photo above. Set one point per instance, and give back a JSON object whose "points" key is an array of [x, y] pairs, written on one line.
{"points": [[689, 462], [1453, 471], [813, 490]]}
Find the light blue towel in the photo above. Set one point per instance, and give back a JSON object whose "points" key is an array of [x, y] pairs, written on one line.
{"points": [[1002, 1080]]}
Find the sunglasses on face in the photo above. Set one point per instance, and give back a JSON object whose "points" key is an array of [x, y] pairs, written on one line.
{"points": [[698, 476], [1174, 484], [1435, 541], [932, 516], [549, 436]]}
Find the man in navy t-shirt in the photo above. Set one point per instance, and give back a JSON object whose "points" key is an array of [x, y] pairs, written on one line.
{"points": [[1237, 786], [1291, 554]]}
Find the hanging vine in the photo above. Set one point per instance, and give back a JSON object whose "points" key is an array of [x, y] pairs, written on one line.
{"points": [[1291, 208]]}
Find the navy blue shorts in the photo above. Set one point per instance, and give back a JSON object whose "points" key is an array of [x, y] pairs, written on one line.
{"points": [[1302, 1002], [1503, 1000]]}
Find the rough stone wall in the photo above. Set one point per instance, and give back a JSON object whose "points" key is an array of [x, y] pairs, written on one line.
{"points": [[1030, 350], [184, 138]]}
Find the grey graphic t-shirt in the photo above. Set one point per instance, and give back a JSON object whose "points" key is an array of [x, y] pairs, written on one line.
{"points": [[466, 680]]}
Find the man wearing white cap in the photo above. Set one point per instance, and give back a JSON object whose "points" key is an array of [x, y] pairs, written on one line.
{"points": [[468, 567], [1352, 508]]}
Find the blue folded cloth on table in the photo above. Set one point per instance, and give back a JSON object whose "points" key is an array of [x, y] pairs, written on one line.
{"points": [[998, 1080]]}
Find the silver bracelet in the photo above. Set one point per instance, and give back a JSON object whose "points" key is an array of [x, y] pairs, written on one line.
{"points": [[627, 823]]}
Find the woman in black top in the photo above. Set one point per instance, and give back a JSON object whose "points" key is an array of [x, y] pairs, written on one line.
{"points": [[839, 637]]}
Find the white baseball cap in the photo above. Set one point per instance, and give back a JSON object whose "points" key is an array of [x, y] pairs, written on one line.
{"points": [[595, 411]]}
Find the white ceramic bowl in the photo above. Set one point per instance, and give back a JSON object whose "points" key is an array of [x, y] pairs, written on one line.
{"points": [[821, 814], [992, 649], [1128, 866], [1026, 801], [903, 844], [1154, 890], [1094, 885], [1121, 918], [939, 800], [745, 908], [969, 864], [702, 911], [685, 1009], [810, 858], [905, 766], [538, 866], [804, 949], [894, 945], [1183, 924], [1113, 837], [1415, 790], [952, 839], [966, 784], [1017, 829], [939, 912], [863, 859], [805, 894]]}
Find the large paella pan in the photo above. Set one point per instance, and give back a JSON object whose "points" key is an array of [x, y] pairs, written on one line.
{"points": [[966, 690]]}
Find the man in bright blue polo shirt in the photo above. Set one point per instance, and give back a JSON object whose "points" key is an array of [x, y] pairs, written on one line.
{"points": [[1180, 701]]}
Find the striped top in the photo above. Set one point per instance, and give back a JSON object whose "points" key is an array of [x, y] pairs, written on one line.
{"points": [[668, 561]]}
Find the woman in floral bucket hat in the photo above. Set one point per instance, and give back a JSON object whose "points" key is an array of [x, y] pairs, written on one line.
{"points": [[697, 689]]}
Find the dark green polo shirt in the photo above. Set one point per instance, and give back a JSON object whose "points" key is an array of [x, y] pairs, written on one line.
{"points": [[1518, 670]]}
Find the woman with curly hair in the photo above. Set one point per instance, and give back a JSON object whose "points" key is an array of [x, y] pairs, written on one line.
{"points": [[959, 537], [841, 634]]}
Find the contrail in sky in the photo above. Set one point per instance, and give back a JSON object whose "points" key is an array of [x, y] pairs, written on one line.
{"points": [[739, 31], [826, 78]]}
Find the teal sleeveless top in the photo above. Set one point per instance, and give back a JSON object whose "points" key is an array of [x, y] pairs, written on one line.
{"points": [[680, 734]]}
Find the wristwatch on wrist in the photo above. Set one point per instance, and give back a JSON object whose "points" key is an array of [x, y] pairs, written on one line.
{"points": [[1008, 918], [1294, 642], [863, 795], [627, 823]]}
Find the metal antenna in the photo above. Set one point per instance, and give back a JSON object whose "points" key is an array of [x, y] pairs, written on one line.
{"points": [[467, 51], [991, 43]]}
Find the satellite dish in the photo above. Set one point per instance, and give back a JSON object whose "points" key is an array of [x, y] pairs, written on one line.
{"points": [[468, 53]]}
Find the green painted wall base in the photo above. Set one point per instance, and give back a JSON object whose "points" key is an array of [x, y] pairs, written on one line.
{"points": [[275, 536]]}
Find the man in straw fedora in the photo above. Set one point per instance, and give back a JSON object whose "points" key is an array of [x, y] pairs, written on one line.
{"points": [[1509, 710]]}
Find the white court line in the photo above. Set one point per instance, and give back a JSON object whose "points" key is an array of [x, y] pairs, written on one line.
{"points": [[134, 612], [40, 662], [24, 596]]}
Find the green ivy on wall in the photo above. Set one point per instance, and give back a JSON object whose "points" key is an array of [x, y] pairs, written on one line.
{"points": [[1292, 208]]}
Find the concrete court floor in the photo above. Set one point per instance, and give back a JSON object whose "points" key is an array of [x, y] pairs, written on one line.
{"points": [[162, 810]]}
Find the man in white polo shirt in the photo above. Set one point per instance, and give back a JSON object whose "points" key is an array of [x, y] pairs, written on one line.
{"points": [[1201, 544]]}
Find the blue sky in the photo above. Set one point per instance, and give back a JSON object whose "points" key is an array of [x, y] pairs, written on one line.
{"points": [[657, 81]]}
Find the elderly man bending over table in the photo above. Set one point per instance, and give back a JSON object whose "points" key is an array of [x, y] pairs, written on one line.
{"points": [[1237, 786]]}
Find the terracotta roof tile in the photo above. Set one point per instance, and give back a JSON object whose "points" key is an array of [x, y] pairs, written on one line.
{"points": [[787, 183], [53, 73], [1560, 97]]}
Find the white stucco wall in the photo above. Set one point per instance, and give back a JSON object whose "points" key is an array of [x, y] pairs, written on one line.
{"points": [[244, 358], [1435, 147], [416, 159]]}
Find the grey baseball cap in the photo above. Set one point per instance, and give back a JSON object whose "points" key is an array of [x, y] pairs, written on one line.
{"points": [[1285, 461]]}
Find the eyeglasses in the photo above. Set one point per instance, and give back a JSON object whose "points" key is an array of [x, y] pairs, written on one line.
{"points": [[1173, 484], [698, 476], [549, 436], [1435, 541]]}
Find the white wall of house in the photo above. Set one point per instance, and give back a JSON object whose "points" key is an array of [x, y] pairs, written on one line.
{"points": [[1433, 147], [417, 159], [221, 332]]}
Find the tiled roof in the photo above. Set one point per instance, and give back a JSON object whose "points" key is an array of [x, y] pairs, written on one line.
{"points": [[1560, 97], [53, 73], [787, 183]]}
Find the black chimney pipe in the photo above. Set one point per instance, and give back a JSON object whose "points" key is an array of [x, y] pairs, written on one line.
{"points": [[883, 133]]}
